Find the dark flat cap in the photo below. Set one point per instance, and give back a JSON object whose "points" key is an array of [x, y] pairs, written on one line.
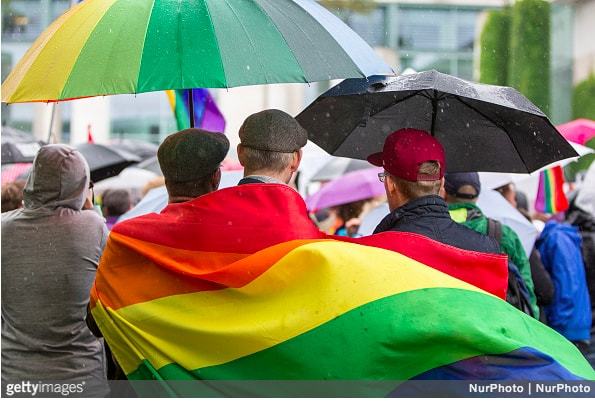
{"points": [[191, 154], [273, 130]]}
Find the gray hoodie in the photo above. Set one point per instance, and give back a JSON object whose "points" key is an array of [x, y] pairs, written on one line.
{"points": [[50, 252]]}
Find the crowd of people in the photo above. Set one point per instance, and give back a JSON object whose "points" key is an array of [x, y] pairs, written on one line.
{"points": [[53, 240]]}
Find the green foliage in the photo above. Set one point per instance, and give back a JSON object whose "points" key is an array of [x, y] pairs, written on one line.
{"points": [[529, 65], [583, 99], [362, 6], [494, 41]]}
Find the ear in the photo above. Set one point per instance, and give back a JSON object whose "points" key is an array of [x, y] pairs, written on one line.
{"points": [[442, 191], [216, 179], [240, 151], [297, 158]]}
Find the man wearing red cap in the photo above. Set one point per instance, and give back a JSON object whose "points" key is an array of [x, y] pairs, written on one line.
{"points": [[414, 167]]}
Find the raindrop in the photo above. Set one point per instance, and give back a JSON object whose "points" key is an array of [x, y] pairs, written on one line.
{"points": [[467, 125], [248, 67]]}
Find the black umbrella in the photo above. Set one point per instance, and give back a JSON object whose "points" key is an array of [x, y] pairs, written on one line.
{"points": [[142, 149], [18, 146], [151, 165], [482, 127], [104, 161], [338, 167]]}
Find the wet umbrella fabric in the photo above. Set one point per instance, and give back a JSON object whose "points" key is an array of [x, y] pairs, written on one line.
{"points": [[339, 166], [104, 161], [18, 146], [581, 130], [482, 127], [352, 187], [142, 149]]}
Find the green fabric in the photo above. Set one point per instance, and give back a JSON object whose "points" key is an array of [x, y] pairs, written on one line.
{"points": [[115, 45], [251, 46], [510, 245], [395, 338], [181, 48]]}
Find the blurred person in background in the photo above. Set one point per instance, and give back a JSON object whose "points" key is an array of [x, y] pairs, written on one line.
{"points": [[462, 191], [50, 252], [115, 202], [347, 220], [12, 195]]}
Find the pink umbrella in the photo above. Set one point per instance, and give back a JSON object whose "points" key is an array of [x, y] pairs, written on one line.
{"points": [[352, 187], [10, 172], [579, 131]]}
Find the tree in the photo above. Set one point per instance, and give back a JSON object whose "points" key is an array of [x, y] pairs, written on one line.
{"points": [[583, 99], [494, 44], [361, 6], [529, 58]]}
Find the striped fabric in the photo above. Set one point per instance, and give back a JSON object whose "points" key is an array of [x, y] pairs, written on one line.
{"points": [[206, 113], [550, 192], [239, 284]]}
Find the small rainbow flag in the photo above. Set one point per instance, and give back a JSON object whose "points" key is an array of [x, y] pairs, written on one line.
{"points": [[206, 113], [550, 193], [204, 291]]}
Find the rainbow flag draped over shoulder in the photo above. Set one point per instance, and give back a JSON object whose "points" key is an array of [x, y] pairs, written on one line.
{"points": [[550, 193], [206, 113], [240, 284]]}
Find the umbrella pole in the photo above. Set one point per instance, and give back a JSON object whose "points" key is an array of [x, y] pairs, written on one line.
{"points": [[191, 106], [51, 127]]}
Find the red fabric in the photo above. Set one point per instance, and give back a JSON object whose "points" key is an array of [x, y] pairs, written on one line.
{"points": [[248, 218], [89, 135]]}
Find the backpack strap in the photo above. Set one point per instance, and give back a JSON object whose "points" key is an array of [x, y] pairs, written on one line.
{"points": [[494, 230]]}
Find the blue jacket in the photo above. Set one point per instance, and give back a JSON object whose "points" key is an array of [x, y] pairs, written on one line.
{"points": [[570, 311]]}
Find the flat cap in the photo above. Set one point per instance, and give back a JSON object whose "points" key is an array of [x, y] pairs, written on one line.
{"points": [[191, 154], [273, 130]]}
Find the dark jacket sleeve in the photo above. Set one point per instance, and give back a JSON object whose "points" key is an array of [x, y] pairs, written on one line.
{"points": [[544, 287]]}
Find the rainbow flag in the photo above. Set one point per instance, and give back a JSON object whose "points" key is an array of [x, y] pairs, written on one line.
{"points": [[206, 113], [550, 193], [240, 284]]}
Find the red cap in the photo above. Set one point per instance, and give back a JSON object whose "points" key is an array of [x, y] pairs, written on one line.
{"points": [[405, 150]]}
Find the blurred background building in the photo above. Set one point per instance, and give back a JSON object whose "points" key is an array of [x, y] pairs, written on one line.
{"points": [[418, 34]]}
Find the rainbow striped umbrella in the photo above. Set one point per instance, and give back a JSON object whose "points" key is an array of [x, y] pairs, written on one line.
{"points": [[106, 47]]}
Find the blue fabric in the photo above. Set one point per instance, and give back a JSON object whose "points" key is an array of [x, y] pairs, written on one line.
{"points": [[521, 364], [570, 311]]}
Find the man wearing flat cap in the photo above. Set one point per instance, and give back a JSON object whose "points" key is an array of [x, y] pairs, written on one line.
{"points": [[190, 161], [270, 148]]}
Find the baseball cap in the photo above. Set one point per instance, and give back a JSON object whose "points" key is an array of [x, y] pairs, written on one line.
{"points": [[273, 130], [191, 154], [454, 181], [406, 150]]}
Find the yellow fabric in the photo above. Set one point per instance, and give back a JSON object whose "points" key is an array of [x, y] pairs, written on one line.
{"points": [[43, 71], [459, 215], [308, 287]]}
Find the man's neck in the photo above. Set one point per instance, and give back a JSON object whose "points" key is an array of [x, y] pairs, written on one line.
{"points": [[271, 174]]}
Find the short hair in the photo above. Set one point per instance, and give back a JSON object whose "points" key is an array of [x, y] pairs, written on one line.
{"points": [[351, 210], [191, 189], [12, 195], [417, 189], [116, 202], [255, 159]]}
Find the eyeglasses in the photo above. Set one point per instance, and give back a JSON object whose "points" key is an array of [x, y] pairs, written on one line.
{"points": [[382, 176]]}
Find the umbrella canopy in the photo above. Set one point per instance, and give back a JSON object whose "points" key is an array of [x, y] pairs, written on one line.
{"points": [[482, 127], [142, 149], [13, 172], [104, 47], [132, 178], [352, 187], [106, 161], [19, 152], [579, 131], [339, 166]]}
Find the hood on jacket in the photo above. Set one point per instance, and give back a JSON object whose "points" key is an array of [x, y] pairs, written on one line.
{"points": [[59, 178], [553, 227]]}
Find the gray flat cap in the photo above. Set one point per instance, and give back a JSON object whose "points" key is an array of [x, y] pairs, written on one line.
{"points": [[273, 130], [191, 154]]}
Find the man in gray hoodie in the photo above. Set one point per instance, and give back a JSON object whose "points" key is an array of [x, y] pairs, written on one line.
{"points": [[50, 253]]}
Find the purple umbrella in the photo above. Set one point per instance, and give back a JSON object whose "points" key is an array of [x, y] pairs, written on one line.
{"points": [[352, 187]]}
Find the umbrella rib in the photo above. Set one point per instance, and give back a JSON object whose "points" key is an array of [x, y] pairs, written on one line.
{"points": [[497, 125], [212, 23]]}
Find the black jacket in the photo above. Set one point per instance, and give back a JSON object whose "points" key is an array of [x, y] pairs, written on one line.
{"points": [[429, 217]]}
